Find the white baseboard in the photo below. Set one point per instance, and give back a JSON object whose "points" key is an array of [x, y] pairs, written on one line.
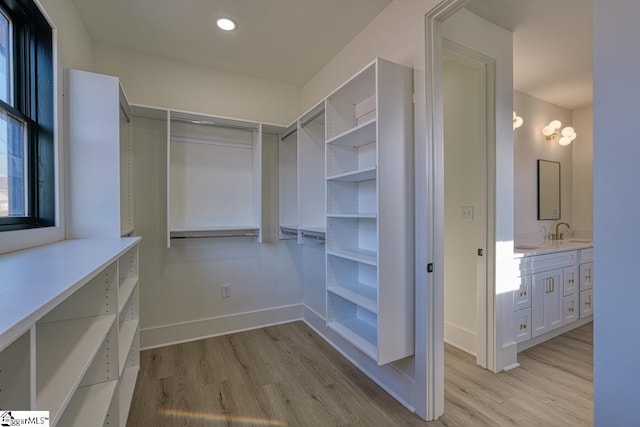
{"points": [[389, 377], [461, 338], [176, 333]]}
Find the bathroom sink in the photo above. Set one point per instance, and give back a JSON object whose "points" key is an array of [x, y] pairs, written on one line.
{"points": [[579, 240]]}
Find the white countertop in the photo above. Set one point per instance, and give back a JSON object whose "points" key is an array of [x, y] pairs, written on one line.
{"points": [[522, 249], [34, 281]]}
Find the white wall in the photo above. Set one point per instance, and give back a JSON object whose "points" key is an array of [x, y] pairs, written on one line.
{"points": [[616, 207], [530, 146], [161, 82], [74, 50], [463, 154], [582, 180]]}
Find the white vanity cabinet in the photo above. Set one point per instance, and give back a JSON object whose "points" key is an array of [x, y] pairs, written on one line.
{"points": [[552, 291]]}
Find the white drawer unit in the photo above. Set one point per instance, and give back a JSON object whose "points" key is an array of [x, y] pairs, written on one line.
{"points": [[586, 303], [586, 276], [571, 308], [521, 323]]}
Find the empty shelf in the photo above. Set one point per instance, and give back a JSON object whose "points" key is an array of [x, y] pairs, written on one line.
{"points": [[89, 405], [369, 215], [360, 175], [127, 334], [361, 334], [125, 291], [358, 136], [127, 385], [363, 295], [359, 255]]}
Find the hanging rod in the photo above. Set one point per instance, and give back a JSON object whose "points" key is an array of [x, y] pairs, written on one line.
{"points": [[213, 123], [312, 118], [288, 134], [214, 236], [312, 235], [243, 145]]}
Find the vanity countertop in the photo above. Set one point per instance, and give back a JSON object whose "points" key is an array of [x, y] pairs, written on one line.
{"points": [[523, 249]]}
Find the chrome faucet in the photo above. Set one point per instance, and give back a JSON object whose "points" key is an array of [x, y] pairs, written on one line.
{"points": [[558, 235]]}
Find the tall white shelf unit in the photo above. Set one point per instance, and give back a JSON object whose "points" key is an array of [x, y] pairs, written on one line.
{"points": [[288, 183], [369, 211], [71, 346], [100, 160]]}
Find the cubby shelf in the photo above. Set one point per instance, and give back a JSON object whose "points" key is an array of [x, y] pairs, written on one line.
{"points": [[369, 246], [365, 174], [128, 331], [67, 349], [89, 403], [127, 386], [126, 289]]}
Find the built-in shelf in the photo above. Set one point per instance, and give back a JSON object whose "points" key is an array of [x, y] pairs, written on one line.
{"points": [[89, 403], [218, 231], [126, 289], [128, 331], [358, 136], [127, 386], [371, 215], [359, 333], [358, 255], [66, 349], [358, 293], [365, 174]]}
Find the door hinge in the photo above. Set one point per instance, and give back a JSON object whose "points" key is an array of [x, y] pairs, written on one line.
{"points": [[480, 252], [430, 267]]}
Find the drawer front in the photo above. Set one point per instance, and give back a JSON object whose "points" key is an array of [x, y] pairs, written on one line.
{"points": [[522, 293], [586, 303], [571, 308], [570, 280], [586, 255], [522, 325], [540, 263], [586, 276]]}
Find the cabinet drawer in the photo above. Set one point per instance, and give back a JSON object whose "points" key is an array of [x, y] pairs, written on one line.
{"points": [[521, 325], [586, 303], [570, 280], [586, 255], [546, 262], [586, 276], [571, 308], [522, 293]]}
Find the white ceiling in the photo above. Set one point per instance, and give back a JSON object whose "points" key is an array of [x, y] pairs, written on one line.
{"points": [[290, 40]]}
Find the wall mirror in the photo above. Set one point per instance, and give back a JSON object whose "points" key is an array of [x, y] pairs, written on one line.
{"points": [[548, 190]]}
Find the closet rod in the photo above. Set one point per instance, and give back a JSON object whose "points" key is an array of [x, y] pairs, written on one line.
{"points": [[201, 236], [312, 118], [213, 123], [288, 134], [211, 142], [312, 235]]}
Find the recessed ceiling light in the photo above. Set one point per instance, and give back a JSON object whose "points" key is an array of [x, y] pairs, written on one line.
{"points": [[226, 24]]}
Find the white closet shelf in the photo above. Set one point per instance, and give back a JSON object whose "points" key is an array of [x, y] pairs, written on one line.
{"points": [[125, 291], [368, 215], [358, 136], [365, 174], [358, 255], [215, 231], [68, 348], [361, 334], [128, 331], [363, 295], [89, 404], [127, 386]]}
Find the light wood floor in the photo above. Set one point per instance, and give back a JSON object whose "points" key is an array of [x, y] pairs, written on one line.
{"points": [[288, 376]]}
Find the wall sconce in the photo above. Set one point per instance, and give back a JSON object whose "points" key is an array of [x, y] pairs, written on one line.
{"points": [[567, 135], [517, 121]]}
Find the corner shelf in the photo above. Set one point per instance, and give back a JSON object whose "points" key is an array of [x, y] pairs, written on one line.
{"points": [[358, 136]]}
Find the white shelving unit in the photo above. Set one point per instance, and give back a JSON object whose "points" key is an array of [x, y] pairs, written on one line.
{"points": [[62, 347], [288, 183], [369, 211], [214, 176], [100, 188]]}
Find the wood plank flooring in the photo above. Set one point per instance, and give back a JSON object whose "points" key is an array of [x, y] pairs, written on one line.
{"points": [[287, 375]]}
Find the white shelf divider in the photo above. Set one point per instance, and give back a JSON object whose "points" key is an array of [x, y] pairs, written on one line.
{"points": [[358, 136], [127, 387], [65, 352], [359, 255], [360, 294], [365, 174], [89, 405]]}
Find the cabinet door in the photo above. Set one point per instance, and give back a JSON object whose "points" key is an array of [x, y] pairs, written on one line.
{"points": [[522, 293], [586, 303], [570, 280], [571, 308], [521, 325], [547, 303], [586, 276]]}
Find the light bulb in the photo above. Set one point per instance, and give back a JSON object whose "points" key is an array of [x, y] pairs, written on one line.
{"points": [[226, 24], [565, 140], [548, 130], [568, 131], [555, 124], [517, 122]]}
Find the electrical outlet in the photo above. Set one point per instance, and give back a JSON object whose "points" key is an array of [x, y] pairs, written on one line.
{"points": [[466, 213], [226, 291]]}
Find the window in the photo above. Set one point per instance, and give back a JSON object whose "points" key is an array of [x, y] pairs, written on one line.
{"points": [[27, 169]]}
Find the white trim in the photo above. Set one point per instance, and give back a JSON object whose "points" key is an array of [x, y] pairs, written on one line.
{"points": [[461, 338], [181, 332]]}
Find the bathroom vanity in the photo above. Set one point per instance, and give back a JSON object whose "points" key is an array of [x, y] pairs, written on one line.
{"points": [[553, 289]]}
